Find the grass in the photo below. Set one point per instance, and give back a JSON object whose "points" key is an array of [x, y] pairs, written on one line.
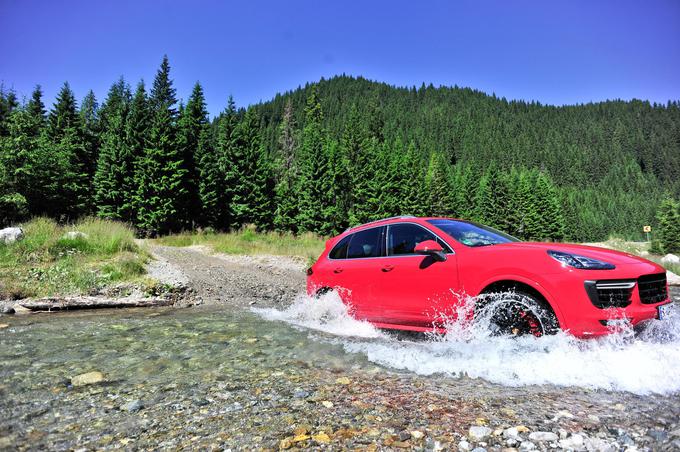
{"points": [[46, 263], [639, 249], [249, 241]]}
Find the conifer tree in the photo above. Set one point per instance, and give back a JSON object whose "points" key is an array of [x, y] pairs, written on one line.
{"points": [[286, 175], [71, 182], [193, 127], [316, 207], [214, 161], [36, 110], [437, 186], [248, 176], [668, 216], [115, 166], [160, 171]]}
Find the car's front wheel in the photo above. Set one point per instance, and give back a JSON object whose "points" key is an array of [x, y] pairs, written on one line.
{"points": [[517, 314]]}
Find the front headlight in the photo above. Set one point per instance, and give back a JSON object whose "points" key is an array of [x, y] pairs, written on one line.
{"points": [[580, 262]]}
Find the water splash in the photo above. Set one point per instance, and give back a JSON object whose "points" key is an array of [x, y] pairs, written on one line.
{"points": [[642, 363], [326, 313]]}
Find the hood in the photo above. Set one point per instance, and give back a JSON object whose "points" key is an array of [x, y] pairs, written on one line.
{"points": [[603, 254]]}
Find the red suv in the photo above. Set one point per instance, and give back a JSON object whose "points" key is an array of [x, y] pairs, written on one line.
{"points": [[406, 272]]}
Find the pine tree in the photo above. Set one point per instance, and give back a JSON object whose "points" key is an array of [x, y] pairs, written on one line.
{"points": [[548, 204], [316, 207], [214, 161], [286, 174], [248, 176], [437, 186], [668, 216], [36, 110], [193, 127], [64, 139], [115, 166], [135, 138], [160, 172]]}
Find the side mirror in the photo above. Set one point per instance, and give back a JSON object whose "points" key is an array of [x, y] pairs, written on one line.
{"points": [[432, 249]]}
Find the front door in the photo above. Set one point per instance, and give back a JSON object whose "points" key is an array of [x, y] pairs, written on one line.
{"points": [[412, 289]]}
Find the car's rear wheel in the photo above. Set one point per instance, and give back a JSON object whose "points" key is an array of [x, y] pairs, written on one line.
{"points": [[518, 314]]}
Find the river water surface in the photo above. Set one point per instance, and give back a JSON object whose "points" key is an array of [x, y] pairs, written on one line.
{"points": [[310, 376]]}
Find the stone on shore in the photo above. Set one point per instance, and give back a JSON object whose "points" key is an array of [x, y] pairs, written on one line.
{"points": [[11, 235], [88, 378]]}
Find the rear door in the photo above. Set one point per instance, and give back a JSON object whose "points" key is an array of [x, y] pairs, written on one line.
{"points": [[354, 268], [413, 289]]}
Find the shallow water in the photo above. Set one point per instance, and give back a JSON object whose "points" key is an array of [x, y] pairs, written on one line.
{"points": [[648, 362], [220, 377]]}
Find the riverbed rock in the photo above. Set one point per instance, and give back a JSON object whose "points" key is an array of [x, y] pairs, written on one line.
{"points": [[133, 406], [479, 433], [657, 435], [19, 309], [574, 442], [75, 235], [527, 445], [670, 259], [543, 436], [672, 278], [88, 378], [3, 326], [11, 235]]}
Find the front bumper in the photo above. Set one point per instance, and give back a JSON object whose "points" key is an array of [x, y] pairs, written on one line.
{"points": [[578, 313]]}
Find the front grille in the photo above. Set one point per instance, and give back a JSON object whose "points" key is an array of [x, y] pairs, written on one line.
{"points": [[610, 293], [652, 288]]}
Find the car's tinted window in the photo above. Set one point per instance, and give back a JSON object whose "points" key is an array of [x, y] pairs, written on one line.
{"points": [[365, 244], [403, 238], [472, 234], [339, 251]]}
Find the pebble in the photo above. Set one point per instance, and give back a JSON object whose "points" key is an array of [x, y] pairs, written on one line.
{"points": [[301, 394], [479, 433], [478, 449], [416, 434], [543, 436], [133, 406], [657, 435], [527, 445], [464, 446], [3, 326], [88, 378], [511, 433], [575, 442]]}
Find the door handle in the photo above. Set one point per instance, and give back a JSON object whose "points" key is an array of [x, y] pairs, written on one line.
{"points": [[387, 268], [337, 270]]}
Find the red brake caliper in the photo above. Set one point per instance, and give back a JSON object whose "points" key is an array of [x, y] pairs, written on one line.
{"points": [[534, 327]]}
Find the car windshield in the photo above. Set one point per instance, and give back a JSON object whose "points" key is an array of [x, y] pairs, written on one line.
{"points": [[472, 234]]}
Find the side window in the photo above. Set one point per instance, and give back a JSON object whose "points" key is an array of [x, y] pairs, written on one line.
{"points": [[339, 251], [365, 244], [403, 238]]}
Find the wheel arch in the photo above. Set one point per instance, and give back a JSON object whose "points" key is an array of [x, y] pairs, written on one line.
{"points": [[527, 286]]}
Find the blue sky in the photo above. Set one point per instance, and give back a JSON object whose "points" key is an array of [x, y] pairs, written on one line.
{"points": [[556, 52]]}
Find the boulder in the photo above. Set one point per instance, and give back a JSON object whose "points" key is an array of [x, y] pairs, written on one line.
{"points": [[672, 278], [11, 235], [74, 235], [670, 259]]}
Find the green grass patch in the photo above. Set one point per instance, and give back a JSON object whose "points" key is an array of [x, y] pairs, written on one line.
{"points": [[251, 242], [47, 263]]}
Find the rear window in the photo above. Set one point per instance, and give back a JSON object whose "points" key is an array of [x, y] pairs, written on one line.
{"points": [[339, 251], [365, 243]]}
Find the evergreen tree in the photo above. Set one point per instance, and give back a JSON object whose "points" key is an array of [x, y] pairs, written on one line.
{"points": [[316, 206], [286, 175], [36, 110], [438, 186], [193, 127], [71, 185], [115, 166], [668, 216], [160, 172], [213, 164], [248, 176]]}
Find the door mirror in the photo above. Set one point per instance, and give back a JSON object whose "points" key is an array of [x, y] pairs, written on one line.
{"points": [[431, 248]]}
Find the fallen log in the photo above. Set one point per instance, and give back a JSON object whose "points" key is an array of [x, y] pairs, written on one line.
{"points": [[72, 303]]}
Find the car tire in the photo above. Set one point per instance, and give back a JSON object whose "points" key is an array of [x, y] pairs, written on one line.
{"points": [[517, 313]]}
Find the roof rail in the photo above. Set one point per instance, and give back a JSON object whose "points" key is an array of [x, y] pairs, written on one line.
{"points": [[398, 217]]}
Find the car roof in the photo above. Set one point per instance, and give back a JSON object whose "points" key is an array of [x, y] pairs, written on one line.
{"points": [[396, 219]]}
